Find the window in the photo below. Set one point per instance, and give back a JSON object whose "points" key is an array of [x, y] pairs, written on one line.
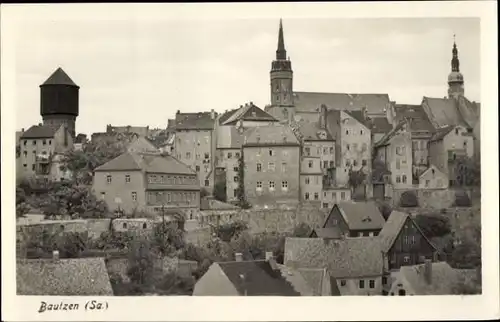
{"points": [[398, 164], [310, 164], [316, 196], [284, 185], [283, 167], [259, 167], [207, 183], [271, 166], [325, 150], [33, 167], [235, 169], [363, 162], [34, 142], [188, 155], [237, 154], [342, 195], [44, 142], [127, 178], [271, 185], [398, 179], [347, 146], [406, 239], [25, 153], [354, 162], [307, 196], [307, 180], [259, 185], [108, 179], [134, 196], [25, 141], [235, 193], [325, 205], [372, 283], [331, 150], [427, 182], [197, 156], [347, 162], [465, 144], [361, 132], [103, 195], [406, 259], [197, 168], [342, 282], [346, 132], [271, 152], [325, 164], [413, 240], [404, 178], [229, 155], [384, 280], [332, 164], [235, 179], [361, 284], [144, 226], [25, 165], [124, 225], [456, 131], [307, 151], [402, 292]]}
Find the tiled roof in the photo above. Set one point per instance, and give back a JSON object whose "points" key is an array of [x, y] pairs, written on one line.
{"points": [[430, 168], [257, 278], [64, 277], [443, 279], [442, 111], [228, 137], [59, 77], [195, 121], [359, 116], [442, 132], [249, 112], [151, 163], [351, 257], [379, 125], [385, 140], [298, 282], [311, 102], [311, 131], [360, 215], [419, 120], [270, 135], [327, 233], [39, 132]]}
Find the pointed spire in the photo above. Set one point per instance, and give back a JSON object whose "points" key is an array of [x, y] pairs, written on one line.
{"points": [[281, 52], [455, 63]]}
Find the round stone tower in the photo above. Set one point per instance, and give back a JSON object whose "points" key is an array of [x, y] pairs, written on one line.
{"points": [[59, 101]]}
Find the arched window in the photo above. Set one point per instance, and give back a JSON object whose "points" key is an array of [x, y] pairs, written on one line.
{"points": [[144, 225], [124, 225]]}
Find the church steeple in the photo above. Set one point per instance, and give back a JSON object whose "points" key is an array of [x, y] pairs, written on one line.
{"points": [[455, 63], [455, 78], [281, 51]]}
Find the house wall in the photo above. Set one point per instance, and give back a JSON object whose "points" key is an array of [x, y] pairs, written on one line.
{"points": [[351, 286], [399, 157], [214, 282], [335, 219], [286, 171], [409, 245], [401, 284], [118, 188], [355, 147], [311, 186], [324, 150], [420, 151], [331, 196], [433, 179], [196, 149], [459, 139], [229, 160]]}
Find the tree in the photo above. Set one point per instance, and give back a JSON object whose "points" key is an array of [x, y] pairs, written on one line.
{"points": [[302, 230], [167, 238], [462, 199], [228, 231], [22, 206], [240, 191], [433, 225], [141, 260], [356, 179], [220, 191], [408, 199], [469, 170]]}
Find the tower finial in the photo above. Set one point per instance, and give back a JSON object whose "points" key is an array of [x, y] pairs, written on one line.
{"points": [[455, 63], [281, 52]]}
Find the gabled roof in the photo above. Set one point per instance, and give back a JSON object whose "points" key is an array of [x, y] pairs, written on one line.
{"points": [[443, 279], [429, 169], [442, 132], [249, 112], [393, 227], [64, 277], [39, 132], [344, 258], [316, 278], [150, 163], [195, 121], [59, 77], [442, 111], [419, 121], [311, 102], [257, 278], [270, 135], [298, 282], [360, 215], [379, 125], [311, 131]]}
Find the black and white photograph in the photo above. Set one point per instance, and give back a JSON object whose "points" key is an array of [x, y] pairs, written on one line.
{"points": [[231, 156]]}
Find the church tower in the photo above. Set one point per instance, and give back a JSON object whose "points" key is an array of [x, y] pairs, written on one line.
{"points": [[455, 78], [59, 101], [281, 75]]}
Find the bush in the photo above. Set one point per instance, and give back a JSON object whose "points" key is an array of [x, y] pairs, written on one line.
{"points": [[462, 200], [433, 225], [220, 191], [385, 209], [408, 199]]}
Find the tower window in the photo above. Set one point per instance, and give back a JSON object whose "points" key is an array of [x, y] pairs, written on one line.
{"points": [[34, 142]]}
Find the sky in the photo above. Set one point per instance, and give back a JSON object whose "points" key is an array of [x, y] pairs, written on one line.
{"points": [[139, 72]]}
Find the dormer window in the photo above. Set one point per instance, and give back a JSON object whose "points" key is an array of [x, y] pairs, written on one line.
{"points": [[456, 131]]}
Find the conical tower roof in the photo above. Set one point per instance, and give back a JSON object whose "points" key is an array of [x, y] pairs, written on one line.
{"points": [[59, 77]]}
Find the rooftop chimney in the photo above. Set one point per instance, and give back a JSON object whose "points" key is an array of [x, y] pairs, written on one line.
{"points": [[322, 117], [55, 255], [238, 257], [22, 130], [212, 114], [428, 271], [269, 255]]}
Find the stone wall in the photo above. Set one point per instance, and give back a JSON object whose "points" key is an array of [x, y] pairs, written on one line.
{"points": [[430, 198]]}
